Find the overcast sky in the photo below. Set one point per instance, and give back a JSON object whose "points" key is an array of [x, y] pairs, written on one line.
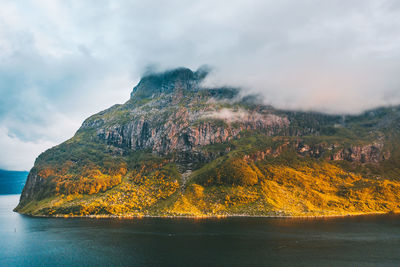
{"points": [[61, 61]]}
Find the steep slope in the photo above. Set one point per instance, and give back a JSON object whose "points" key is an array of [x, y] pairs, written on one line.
{"points": [[175, 148]]}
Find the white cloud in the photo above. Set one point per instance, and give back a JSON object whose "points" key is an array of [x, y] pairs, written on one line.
{"points": [[17, 154], [241, 115]]}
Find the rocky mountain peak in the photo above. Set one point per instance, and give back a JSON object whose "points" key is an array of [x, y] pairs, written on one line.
{"points": [[170, 81]]}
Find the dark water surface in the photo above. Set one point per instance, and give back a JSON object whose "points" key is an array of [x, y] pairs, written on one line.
{"points": [[12, 182], [352, 241]]}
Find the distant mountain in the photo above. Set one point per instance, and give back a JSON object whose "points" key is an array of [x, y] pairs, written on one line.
{"points": [[176, 148], [12, 182]]}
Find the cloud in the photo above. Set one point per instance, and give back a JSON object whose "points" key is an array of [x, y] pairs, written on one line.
{"points": [[18, 154], [241, 115], [61, 61]]}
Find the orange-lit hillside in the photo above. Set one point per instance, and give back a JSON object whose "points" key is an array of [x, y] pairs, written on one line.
{"points": [[256, 188]]}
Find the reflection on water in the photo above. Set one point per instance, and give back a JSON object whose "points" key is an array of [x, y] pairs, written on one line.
{"points": [[365, 240]]}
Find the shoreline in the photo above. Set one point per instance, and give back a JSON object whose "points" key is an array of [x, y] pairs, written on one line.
{"points": [[131, 217]]}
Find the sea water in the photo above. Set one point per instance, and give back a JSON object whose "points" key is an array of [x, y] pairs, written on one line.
{"points": [[346, 241]]}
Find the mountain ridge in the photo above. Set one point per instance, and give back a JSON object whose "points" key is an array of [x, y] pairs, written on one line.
{"points": [[178, 149]]}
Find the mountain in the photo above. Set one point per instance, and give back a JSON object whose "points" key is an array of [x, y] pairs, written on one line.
{"points": [[12, 182], [178, 149]]}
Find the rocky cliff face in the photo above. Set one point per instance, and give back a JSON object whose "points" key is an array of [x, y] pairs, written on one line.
{"points": [[184, 130], [178, 115], [174, 137], [371, 153]]}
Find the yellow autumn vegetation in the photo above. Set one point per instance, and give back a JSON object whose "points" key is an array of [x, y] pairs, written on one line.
{"points": [[133, 195], [306, 189], [318, 189], [90, 180], [234, 172], [325, 189]]}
